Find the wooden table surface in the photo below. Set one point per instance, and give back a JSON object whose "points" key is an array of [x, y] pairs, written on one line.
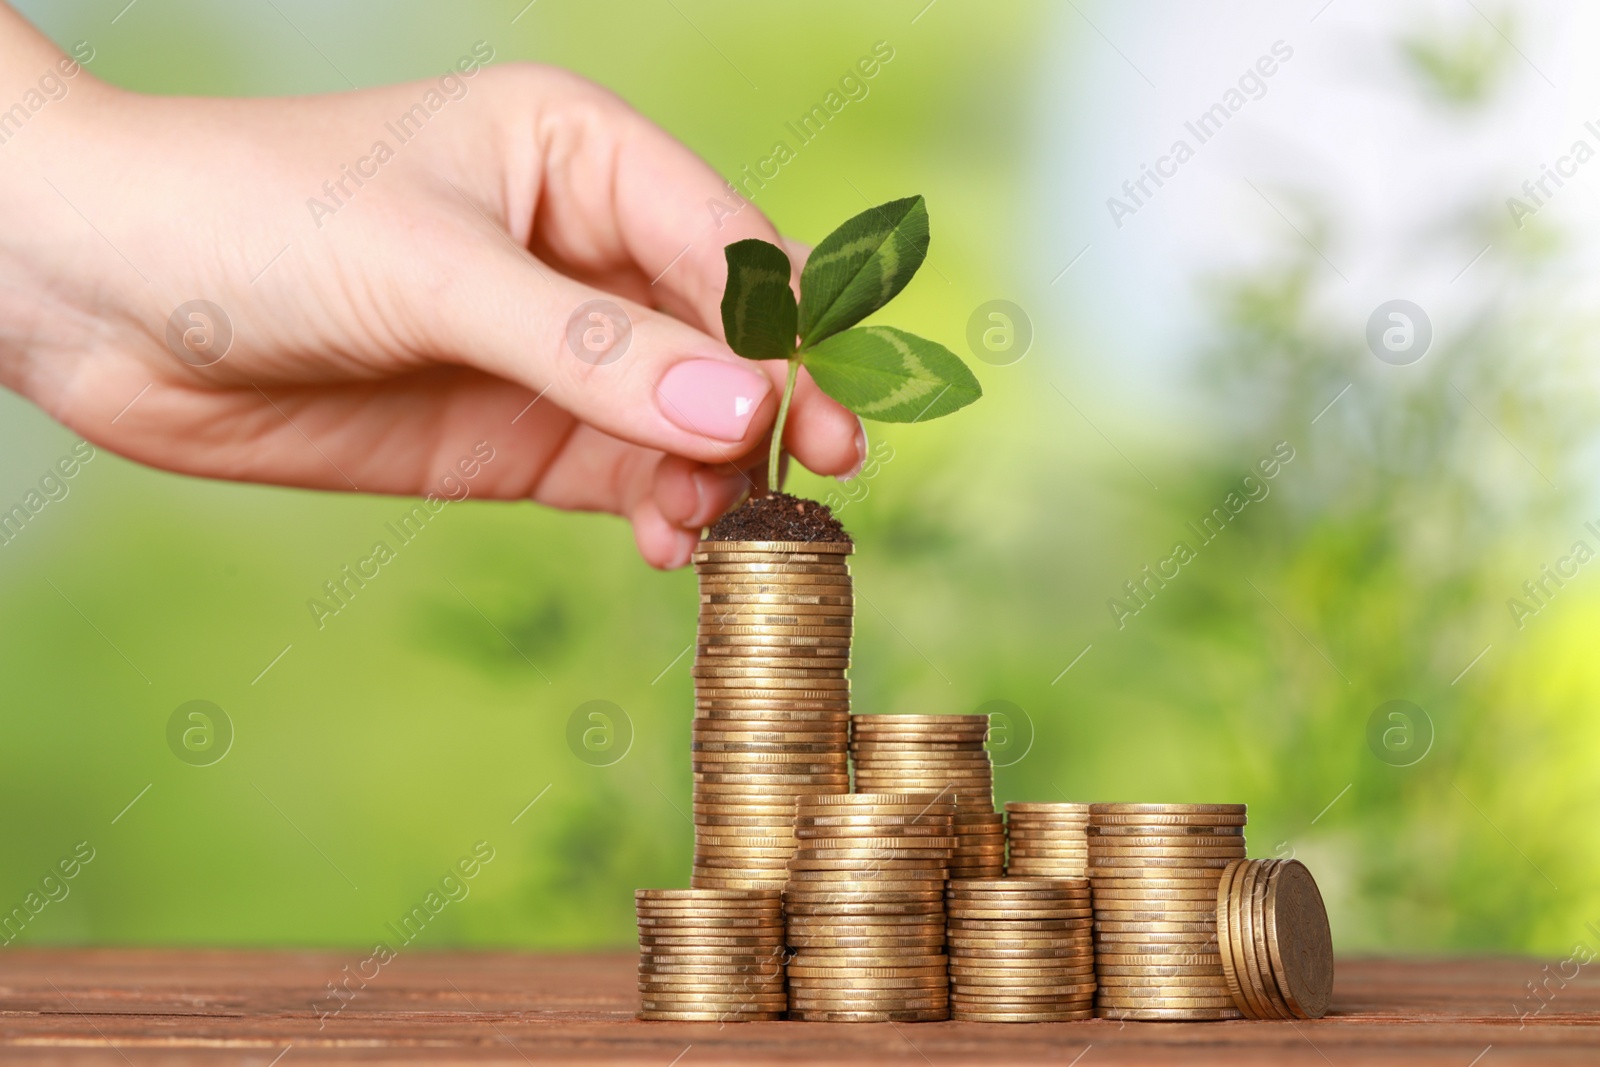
{"points": [[137, 1007]]}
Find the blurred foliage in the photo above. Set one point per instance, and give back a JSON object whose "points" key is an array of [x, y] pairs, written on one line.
{"points": [[1461, 64], [432, 712]]}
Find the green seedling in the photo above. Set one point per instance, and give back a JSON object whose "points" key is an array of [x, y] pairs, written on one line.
{"points": [[878, 372]]}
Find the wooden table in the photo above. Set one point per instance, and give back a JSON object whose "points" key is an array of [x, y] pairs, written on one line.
{"points": [[139, 1007]]}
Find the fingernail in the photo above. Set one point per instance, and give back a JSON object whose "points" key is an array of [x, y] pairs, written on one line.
{"points": [[711, 397], [861, 453]]}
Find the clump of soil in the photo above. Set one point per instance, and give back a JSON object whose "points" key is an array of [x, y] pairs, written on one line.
{"points": [[778, 517]]}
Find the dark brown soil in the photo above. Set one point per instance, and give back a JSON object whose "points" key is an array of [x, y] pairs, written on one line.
{"points": [[778, 517]]}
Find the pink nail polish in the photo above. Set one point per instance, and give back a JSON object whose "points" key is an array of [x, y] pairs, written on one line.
{"points": [[711, 397], [861, 454]]}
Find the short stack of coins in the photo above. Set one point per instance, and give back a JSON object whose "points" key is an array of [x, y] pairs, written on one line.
{"points": [[936, 754], [1047, 840], [1021, 950], [711, 955], [1277, 949], [865, 908], [772, 701], [1155, 870]]}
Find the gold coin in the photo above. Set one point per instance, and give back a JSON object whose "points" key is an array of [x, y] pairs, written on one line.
{"points": [[763, 740], [777, 777], [880, 803], [873, 904], [1166, 809], [653, 969], [967, 1015], [1141, 959], [886, 839], [709, 983], [1208, 925], [1105, 857], [708, 678], [1164, 824], [889, 1000], [1298, 939], [813, 749], [708, 1016], [909, 721], [776, 583], [1076, 997], [958, 911], [1168, 1015], [899, 827], [863, 884], [1255, 947], [756, 569], [710, 912], [1039, 925], [1008, 887], [1064, 954], [806, 970], [1244, 929], [762, 961], [824, 759], [931, 1015], [1020, 807], [708, 922], [712, 1002], [1141, 1003], [1123, 844], [992, 985], [702, 895], [864, 942], [1207, 882], [1228, 933], [768, 682], [762, 665], [803, 554], [720, 597], [783, 714], [1190, 985], [1042, 969], [805, 698]]}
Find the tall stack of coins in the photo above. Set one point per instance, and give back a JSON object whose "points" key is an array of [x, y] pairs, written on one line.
{"points": [[1155, 870], [710, 955], [1047, 840], [1277, 950], [865, 907], [936, 754], [772, 702], [1021, 950]]}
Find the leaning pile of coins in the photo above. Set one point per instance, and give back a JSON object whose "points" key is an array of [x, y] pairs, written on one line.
{"points": [[1277, 949], [865, 908], [936, 754], [1047, 840], [772, 701], [710, 955], [1021, 950], [1155, 869]]}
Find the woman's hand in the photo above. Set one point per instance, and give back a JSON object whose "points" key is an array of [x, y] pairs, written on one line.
{"points": [[405, 272]]}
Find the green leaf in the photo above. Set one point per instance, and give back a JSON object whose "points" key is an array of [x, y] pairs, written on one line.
{"points": [[758, 308], [859, 267], [889, 375]]}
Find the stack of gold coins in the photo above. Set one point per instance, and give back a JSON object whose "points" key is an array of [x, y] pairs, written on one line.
{"points": [[1277, 950], [1047, 840], [1021, 950], [865, 908], [936, 754], [1155, 869], [710, 955], [772, 702]]}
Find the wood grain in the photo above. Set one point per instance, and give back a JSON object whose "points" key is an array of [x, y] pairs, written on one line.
{"points": [[171, 1007]]}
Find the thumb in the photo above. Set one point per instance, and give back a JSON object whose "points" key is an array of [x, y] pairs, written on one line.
{"points": [[622, 368]]}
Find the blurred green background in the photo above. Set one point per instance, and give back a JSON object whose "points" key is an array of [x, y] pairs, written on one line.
{"points": [[426, 717]]}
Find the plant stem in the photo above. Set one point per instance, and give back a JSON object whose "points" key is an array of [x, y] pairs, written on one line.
{"points": [[776, 450]]}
